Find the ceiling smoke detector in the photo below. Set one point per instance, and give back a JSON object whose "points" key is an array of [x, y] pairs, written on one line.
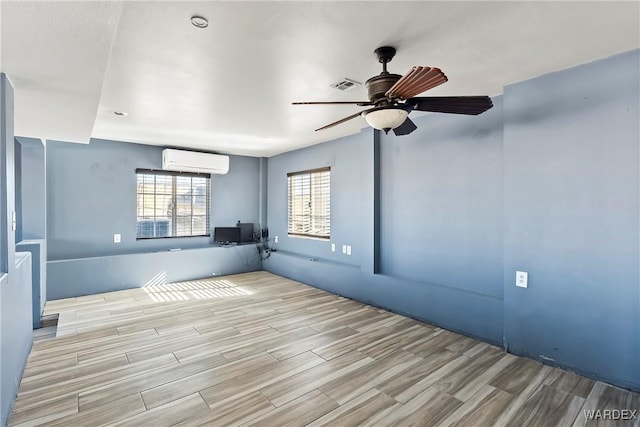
{"points": [[345, 84], [199, 21]]}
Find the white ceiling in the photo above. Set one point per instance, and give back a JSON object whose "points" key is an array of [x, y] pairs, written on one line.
{"points": [[228, 88]]}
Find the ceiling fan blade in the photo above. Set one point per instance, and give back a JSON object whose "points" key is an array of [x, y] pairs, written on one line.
{"points": [[416, 81], [333, 102], [346, 119], [472, 105], [405, 128]]}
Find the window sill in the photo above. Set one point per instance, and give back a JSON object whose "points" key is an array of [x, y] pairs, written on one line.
{"points": [[172, 237], [302, 236]]}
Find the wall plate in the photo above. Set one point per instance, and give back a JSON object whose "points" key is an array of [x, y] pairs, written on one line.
{"points": [[522, 279]]}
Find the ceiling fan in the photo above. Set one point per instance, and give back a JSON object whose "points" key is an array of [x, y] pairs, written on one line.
{"points": [[392, 97]]}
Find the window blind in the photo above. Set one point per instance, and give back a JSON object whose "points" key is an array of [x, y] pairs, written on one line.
{"points": [[172, 204], [309, 203]]}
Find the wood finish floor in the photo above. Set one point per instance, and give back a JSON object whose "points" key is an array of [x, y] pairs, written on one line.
{"points": [[260, 350]]}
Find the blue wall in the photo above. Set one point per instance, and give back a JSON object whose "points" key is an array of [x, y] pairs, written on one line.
{"points": [[415, 291], [32, 188], [38, 250], [546, 182], [30, 199], [16, 326], [15, 269], [17, 195], [441, 198], [86, 276], [345, 157], [91, 196], [571, 218]]}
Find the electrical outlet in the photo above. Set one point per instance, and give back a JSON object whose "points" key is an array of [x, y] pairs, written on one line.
{"points": [[116, 238], [344, 249], [333, 247], [275, 239], [522, 278], [348, 249]]}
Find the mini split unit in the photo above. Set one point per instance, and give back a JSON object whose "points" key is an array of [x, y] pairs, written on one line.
{"points": [[191, 161]]}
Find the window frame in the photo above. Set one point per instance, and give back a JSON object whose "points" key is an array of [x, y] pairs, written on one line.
{"points": [[327, 224], [174, 196]]}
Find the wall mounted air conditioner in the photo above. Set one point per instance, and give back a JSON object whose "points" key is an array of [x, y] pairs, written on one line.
{"points": [[191, 161]]}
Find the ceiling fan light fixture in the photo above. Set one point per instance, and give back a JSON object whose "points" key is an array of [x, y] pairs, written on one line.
{"points": [[386, 118]]}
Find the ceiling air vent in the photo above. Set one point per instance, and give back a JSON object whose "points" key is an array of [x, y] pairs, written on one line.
{"points": [[346, 84]]}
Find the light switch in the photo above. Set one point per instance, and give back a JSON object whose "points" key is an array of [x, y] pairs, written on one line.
{"points": [[348, 250], [275, 239], [344, 249], [522, 277], [116, 238], [333, 247]]}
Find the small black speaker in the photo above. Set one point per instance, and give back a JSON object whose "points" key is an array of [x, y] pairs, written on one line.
{"points": [[265, 233]]}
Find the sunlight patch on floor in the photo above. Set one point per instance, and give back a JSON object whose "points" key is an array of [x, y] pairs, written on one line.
{"points": [[159, 291]]}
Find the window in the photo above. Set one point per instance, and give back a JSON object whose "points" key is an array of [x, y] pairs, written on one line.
{"points": [[309, 203], [172, 204]]}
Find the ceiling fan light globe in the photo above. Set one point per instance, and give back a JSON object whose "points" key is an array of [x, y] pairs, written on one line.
{"points": [[387, 118]]}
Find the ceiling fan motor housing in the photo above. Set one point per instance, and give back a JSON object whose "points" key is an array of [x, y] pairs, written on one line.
{"points": [[377, 86]]}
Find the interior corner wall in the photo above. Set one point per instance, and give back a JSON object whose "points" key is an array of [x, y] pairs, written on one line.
{"points": [[547, 182], [32, 189], [7, 181], [15, 271], [571, 212], [30, 196], [17, 150], [262, 192], [6, 134], [345, 158], [91, 195], [441, 201], [468, 306]]}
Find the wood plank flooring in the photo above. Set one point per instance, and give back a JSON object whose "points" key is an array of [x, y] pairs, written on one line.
{"points": [[257, 349]]}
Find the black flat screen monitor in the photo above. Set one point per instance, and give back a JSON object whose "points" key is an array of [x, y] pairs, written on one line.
{"points": [[226, 235], [246, 232]]}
